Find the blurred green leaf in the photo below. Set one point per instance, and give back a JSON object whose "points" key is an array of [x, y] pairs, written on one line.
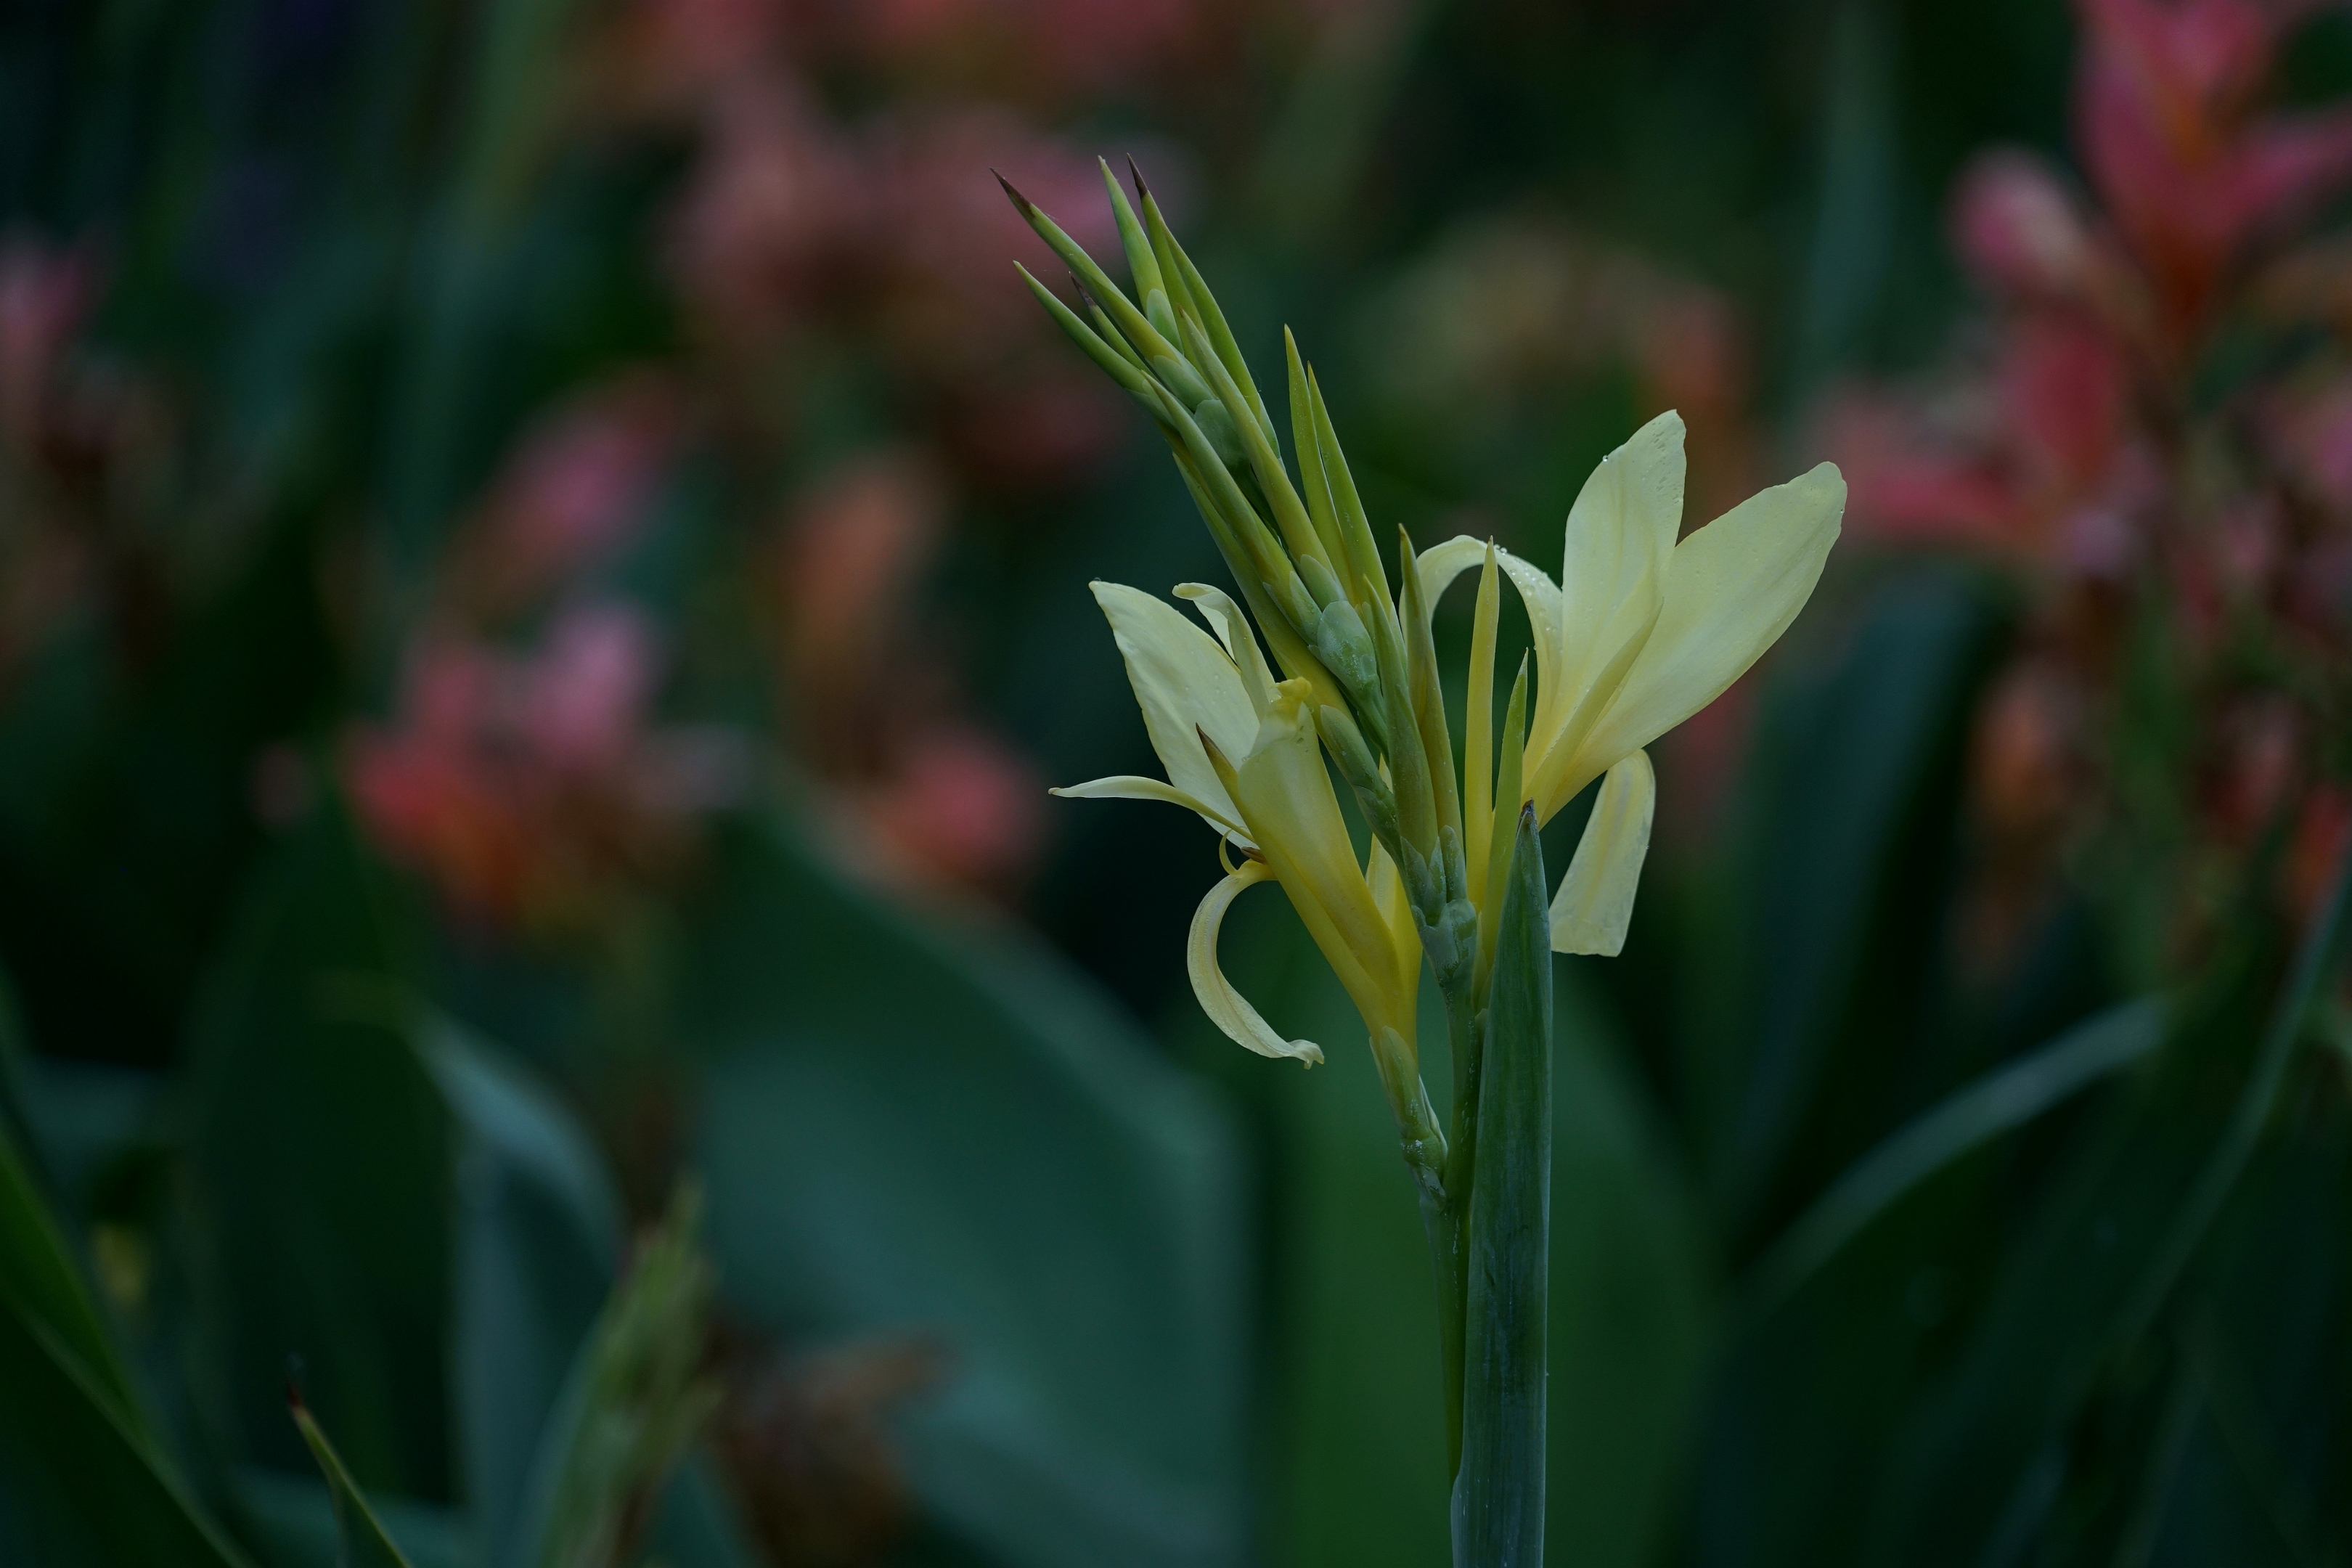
{"points": [[1984, 1458], [537, 1233], [322, 1154], [928, 1129], [1633, 1305], [291, 1523], [1851, 804], [1996, 1104], [636, 1400], [82, 1479]]}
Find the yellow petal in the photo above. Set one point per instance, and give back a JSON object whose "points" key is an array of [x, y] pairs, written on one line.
{"points": [[1441, 564], [1185, 683], [1284, 791], [1134, 786], [1233, 629], [1732, 588], [1612, 563], [1595, 901], [1226, 1006]]}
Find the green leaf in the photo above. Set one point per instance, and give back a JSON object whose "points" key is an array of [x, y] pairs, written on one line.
{"points": [[43, 1285], [364, 1540], [538, 1231], [1851, 797], [1498, 1495], [292, 1523], [1984, 1459], [1633, 1314], [1996, 1104], [636, 1400], [321, 1152], [933, 1132], [83, 1479]]}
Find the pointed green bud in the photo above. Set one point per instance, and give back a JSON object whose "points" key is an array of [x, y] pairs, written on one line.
{"points": [[1120, 368], [1313, 484], [1188, 292], [1320, 581], [1141, 264], [1271, 567], [1130, 320], [1355, 529], [1264, 462]]}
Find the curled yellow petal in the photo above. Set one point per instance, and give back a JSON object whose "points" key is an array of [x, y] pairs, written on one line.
{"points": [[1134, 786], [1595, 901], [1226, 1006]]}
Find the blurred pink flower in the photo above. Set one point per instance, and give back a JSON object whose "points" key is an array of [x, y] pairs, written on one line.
{"points": [[2188, 173], [2028, 761], [770, 202], [960, 806], [851, 549], [2024, 233], [46, 293], [576, 490], [521, 784], [2040, 463], [1024, 48]]}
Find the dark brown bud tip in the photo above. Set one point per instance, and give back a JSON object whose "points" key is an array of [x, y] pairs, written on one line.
{"points": [[1137, 175], [1084, 297], [1021, 203]]}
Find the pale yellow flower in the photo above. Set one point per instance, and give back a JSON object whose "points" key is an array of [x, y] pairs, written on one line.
{"points": [[1639, 633], [1241, 749]]}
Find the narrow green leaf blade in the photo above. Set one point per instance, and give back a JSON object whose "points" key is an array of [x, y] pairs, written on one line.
{"points": [[1498, 1494], [365, 1544], [1999, 1102]]}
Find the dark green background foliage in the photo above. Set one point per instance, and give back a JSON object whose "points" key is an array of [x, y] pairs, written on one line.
{"points": [[1863, 1252]]}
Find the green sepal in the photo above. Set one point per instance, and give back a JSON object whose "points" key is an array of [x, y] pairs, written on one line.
{"points": [[1345, 740], [1498, 1488], [1291, 653], [1257, 542]]}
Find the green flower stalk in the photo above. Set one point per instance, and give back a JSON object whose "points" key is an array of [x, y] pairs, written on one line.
{"points": [[1641, 630]]}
